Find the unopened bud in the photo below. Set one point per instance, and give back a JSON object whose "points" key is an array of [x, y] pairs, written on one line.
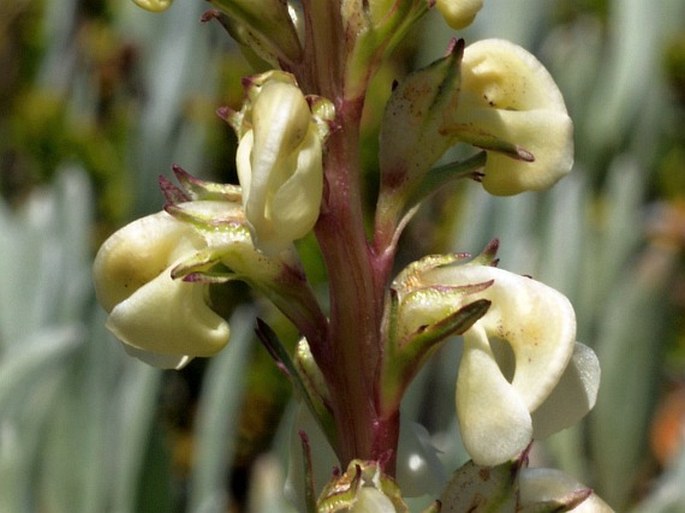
{"points": [[459, 13]]}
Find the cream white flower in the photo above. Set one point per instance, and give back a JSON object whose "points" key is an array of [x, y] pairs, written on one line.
{"points": [[510, 104], [159, 319], [459, 13], [279, 162], [538, 324]]}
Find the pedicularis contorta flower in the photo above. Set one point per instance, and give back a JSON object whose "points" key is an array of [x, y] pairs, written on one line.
{"points": [[161, 320], [493, 95], [508, 95], [279, 158], [153, 275], [515, 354]]}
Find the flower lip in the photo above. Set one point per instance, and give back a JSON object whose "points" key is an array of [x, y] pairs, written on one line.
{"points": [[169, 317]]}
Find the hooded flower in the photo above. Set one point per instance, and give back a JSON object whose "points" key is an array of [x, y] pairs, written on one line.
{"points": [[159, 319], [510, 106], [153, 275], [538, 325], [516, 355], [279, 159], [492, 95]]}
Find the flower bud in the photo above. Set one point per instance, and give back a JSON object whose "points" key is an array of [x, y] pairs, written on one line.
{"points": [[153, 5], [512, 486], [279, 161], [510, 106], [159, 319], [459, 13], [363, 488], [478, 489]]}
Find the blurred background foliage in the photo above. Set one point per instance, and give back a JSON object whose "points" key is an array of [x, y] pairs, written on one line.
{"points": [[98, 98]]}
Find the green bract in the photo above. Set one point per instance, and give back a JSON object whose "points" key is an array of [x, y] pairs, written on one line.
{"points": [[264, 27]]}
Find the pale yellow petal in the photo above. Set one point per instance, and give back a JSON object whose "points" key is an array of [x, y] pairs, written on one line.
{"points": [[372, 500], [573, 397], [153, 5], [494, 421], [537, 321], [170, 317]]}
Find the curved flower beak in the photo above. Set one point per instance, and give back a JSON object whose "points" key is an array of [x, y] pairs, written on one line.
{"points": [[161, 320], [510, 105], [459, 13]]}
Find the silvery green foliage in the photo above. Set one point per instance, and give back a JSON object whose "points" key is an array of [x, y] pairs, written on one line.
{"points": [[76, 413], [43, 288]]}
